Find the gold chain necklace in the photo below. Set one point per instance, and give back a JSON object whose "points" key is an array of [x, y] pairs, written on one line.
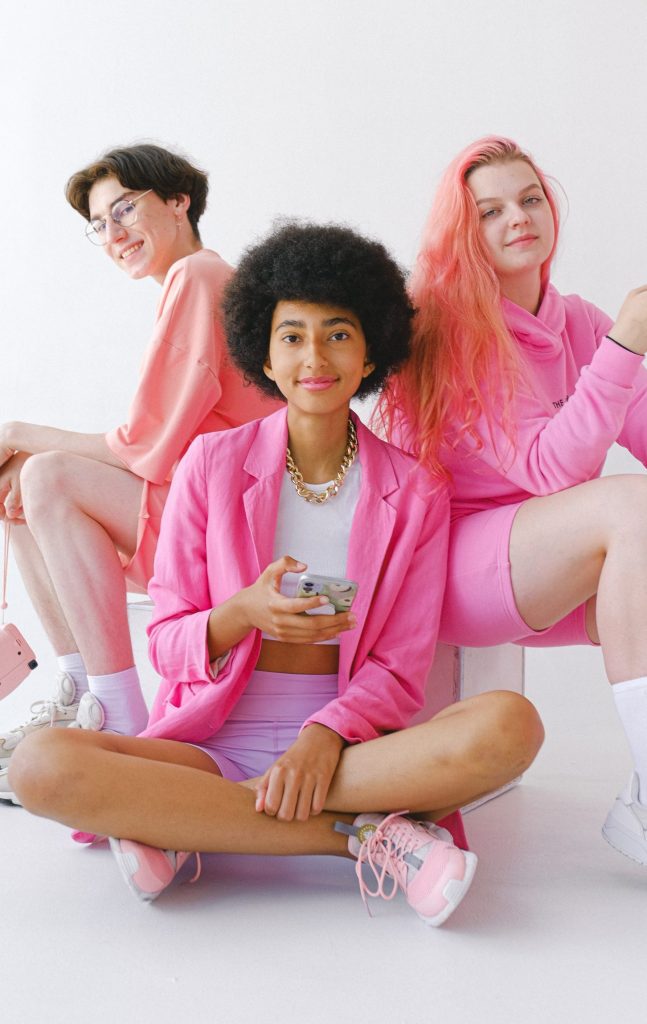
{"points": [[318, 497]]}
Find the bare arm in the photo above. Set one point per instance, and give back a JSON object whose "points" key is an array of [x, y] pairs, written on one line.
{"points": [[34, 440]]}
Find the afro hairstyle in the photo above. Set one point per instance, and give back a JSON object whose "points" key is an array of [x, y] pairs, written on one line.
{"points": [[329, 265]]}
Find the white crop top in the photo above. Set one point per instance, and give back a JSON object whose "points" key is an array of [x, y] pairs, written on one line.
{"points": [[317, 535]]}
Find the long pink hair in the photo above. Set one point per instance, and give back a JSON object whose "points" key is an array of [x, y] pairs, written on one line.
{"points": [[463, 356]]}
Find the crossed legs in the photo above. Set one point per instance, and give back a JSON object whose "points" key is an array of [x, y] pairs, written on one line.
{"points": [[169, 795]]}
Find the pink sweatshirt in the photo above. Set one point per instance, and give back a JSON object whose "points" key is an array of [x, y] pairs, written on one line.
{"points": [[586, 392], [187, 387]]}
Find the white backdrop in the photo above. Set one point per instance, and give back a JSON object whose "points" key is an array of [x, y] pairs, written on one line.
{"points": [[332, 109]]}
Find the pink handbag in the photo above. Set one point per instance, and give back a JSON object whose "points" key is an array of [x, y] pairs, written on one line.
{"points": [[16, 656]]}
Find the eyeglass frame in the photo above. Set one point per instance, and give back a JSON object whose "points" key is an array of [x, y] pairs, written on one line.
{"points": [[90, 229]]}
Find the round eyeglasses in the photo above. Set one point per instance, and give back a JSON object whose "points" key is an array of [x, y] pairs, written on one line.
{"points": [[123, 212]]}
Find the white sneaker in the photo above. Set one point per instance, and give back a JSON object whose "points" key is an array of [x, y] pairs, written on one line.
{"points": [[5, 790], [59, 711], [626, 826], [90, 714]]}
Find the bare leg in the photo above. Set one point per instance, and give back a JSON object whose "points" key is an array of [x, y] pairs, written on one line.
{"points": [[585, 541], [40, 589], [80, 513], [154, 792]]}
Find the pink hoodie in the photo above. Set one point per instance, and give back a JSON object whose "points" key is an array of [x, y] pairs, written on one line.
{"points": [[585, 393]]}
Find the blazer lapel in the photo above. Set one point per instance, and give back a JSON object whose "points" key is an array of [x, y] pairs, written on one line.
{"points": [[371, 532], [265, 463]]}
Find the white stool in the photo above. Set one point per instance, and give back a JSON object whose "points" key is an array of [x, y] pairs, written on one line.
{"points": [[140, 608]]}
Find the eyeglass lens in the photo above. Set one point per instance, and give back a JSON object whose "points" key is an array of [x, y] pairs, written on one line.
{"points": [[123, 212]]}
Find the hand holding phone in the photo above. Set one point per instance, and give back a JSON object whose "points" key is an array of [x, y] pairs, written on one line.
{"points": [[340, 592]]}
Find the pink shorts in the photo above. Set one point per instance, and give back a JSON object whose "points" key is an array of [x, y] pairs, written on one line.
{"points": [[139, 569], [266, 721], [479, 608]]}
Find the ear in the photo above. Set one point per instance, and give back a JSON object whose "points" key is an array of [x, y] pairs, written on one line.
{"points": [[181, 203], [267, 367], [368, 368]]}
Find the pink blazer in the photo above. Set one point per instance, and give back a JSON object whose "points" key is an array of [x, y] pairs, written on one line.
{"points": [[217, 536]]}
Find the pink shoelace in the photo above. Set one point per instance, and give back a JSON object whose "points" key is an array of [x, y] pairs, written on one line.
{"points": [[386, 856]]}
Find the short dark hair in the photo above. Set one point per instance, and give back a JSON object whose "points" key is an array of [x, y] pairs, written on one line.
{"points": [[328, 264], [141, 167]]}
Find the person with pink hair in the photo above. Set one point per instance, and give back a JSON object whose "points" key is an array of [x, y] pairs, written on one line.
{"points": [[516, 393]]}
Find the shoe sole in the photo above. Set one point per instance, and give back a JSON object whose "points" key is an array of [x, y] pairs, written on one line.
{"points": [[454, 892], [11, 798], [625, 844]]}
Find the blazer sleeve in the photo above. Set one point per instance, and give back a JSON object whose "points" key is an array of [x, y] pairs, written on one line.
{"points": [[180, 587], [180, 383], [389, 685]]}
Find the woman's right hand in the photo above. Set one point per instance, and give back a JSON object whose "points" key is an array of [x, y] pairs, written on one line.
{"points": [[282, 617], [630, 329]]}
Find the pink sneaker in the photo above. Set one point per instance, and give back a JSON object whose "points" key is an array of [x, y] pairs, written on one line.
{"points": [[418, 857], [148, 870]]}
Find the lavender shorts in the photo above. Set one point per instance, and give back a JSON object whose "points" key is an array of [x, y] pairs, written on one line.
{"points": [[266, 721], [479, 608]]}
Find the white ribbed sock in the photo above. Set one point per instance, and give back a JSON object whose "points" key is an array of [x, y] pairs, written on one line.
{"points": [[631, 704], [120, 695], [74, 666]]}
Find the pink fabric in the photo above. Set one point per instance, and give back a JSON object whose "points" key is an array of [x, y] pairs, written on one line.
{"points": [[217, 536], [265, 721], [187, 387], [479, 608], [586, 392]]}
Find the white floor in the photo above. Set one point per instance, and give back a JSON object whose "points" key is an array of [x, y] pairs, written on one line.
{"points": [[553, 929]]}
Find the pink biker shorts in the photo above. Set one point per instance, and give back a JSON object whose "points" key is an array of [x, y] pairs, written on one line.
{"points": [[479, 609], [266, 721]]}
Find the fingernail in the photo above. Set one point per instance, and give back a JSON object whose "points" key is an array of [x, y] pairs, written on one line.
{"points": [[323, 600]]}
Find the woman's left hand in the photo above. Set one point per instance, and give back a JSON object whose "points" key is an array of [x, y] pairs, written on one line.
{"points": [[297, 784], [10, 493]]}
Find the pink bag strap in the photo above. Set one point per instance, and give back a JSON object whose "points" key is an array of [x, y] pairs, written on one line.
{"points": [[5, 568]]}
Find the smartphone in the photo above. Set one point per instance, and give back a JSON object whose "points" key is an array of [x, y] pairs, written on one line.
{"points": [[340, 593]]}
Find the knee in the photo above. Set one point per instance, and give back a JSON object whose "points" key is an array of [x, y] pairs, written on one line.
{"points": [[510, 733], [627, 505], [43, 482], [42, 771]]}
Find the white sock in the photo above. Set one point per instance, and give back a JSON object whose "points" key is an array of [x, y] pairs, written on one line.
{"points": [[74, 666], [631, 704], [122, 700]]}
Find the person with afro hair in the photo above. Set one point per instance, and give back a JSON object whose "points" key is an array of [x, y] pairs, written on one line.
{"points": [[280, 726], [327, 264]]}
